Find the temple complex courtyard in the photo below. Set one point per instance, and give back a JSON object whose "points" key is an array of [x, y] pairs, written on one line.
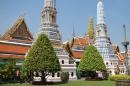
{"points": [[70, 83]]}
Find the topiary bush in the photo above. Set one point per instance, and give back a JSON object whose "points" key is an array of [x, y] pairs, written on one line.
{"points": [[115, 77]]}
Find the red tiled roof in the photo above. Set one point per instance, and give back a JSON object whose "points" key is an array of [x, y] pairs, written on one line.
{"points": [[13, 56], [13, 48], [121, 58], [78, 55], [80, 41]]}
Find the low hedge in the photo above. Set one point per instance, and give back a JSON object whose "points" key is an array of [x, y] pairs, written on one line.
{"points": [[115, 77]]}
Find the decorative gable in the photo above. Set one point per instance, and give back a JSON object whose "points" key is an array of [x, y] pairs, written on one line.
{"points": [[19, 31]]}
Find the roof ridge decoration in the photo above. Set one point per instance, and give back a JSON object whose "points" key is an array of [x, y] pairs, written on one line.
{"points": [[19, 29]]}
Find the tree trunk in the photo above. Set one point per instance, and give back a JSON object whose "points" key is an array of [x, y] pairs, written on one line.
{"points": [[92, 74], [43, 78]]}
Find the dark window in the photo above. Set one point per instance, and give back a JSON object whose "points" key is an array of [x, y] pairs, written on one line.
{"points": [[106, 63], [53, 74], [72, 74], [62, 61], [58, 74], [123, 71]]}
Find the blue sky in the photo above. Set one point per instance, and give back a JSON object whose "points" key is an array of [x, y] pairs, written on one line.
{"points": [[116, 11]]}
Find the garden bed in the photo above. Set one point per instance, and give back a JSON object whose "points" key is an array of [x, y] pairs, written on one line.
{"points": [[93, 79]]}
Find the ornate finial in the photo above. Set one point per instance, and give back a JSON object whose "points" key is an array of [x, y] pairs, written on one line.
{"points": [[73, 29], [22, 14]]}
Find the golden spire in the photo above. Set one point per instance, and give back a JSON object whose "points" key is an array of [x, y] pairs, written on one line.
{"points": [[90, 27], [0, 37]]}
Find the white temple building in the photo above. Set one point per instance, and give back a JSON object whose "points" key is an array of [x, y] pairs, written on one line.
{"points": [[103, 44], [50, 28]]}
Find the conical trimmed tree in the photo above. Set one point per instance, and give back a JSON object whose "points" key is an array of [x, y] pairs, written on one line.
{"points": [[91, 61], [41, 57]]}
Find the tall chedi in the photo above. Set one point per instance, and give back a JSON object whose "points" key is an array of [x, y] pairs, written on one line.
{"points": [[102, 41], [48, 25], [90, 36], [50, 28]]}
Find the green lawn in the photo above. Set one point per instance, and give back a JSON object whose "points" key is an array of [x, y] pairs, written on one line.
{"points": [[72, 83]]}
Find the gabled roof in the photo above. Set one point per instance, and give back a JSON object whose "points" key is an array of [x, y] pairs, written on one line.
{"points": [[18, 31], [116, 49], [78, 41]]}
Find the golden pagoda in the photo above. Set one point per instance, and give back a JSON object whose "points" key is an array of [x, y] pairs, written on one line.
{"points": [[90, 28], [91, 34]]}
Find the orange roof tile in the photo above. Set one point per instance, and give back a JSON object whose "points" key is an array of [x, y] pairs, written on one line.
{"points": [[13, 56], [78, 55], [80, 41], [121, 58], [13, 48], [76, 41]]}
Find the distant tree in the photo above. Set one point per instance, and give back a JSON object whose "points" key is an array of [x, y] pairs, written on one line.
{"points": [[91, 61], [41, 57], [8, 68]]}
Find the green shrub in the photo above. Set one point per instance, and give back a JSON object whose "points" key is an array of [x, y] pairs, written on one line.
{"points": [[115, 77]]}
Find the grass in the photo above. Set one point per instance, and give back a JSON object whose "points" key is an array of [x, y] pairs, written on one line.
{"points": [[71, 83]]}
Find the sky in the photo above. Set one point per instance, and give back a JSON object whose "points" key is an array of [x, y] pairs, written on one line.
{"points": [[117, 13]]}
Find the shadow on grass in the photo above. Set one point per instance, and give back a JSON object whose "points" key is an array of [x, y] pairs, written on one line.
{"points": [[59, 83], [49, 83]]}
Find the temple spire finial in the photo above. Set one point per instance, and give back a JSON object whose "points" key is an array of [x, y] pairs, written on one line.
{"points": [[21, 15], [73, 29]]}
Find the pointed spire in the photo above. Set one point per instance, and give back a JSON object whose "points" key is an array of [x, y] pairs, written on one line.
{"points": [[91, 27], [73, 29], [100, 13]]}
